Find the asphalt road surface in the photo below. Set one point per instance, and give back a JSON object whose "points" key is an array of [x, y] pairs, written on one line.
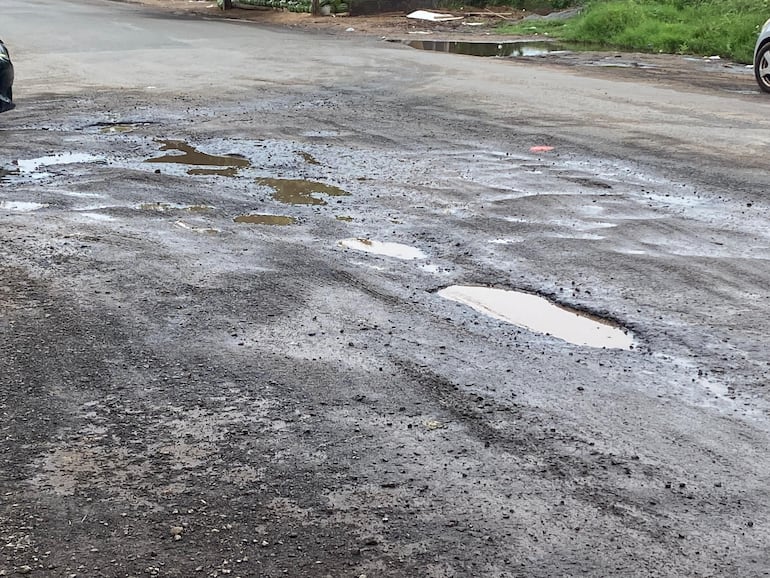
{"points": [[254, 356]]}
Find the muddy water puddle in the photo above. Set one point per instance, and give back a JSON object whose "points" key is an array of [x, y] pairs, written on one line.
{"points": [[537, 314], [501, 49], [228, 172], [396, 250], [300, 192], [274, 220], [228, 164]]}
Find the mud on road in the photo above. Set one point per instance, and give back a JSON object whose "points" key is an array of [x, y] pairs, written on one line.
{"points": [[210, 366]]}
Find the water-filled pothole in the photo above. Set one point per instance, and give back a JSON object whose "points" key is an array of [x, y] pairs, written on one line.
{"points": [[275, 220], [21, 206], [200, 230], [31, 166], [109, 127], [164, 207], [308, 158], [228, 172], [192, 156], [513, 48], [300, 192], [396, 250], [540, 315]]}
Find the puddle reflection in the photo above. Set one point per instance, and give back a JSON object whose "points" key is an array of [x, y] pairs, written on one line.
{"points": [[540, 315], [396, 250], [515, 48], [163, 207]]}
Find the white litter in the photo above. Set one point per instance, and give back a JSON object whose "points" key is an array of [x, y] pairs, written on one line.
{"points": [[432, 16]]}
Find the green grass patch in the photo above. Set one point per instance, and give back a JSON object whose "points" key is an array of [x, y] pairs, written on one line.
{"points": [[727, 28]]}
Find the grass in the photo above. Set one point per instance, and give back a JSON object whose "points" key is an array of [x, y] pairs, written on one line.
{"points": [[726, 28]]}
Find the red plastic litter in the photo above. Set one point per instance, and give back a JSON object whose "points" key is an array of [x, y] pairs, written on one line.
{"points": [[540, 149]]}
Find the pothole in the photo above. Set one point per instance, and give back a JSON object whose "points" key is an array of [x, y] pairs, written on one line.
{"points": [[300, 192], [199, 230], [308, 158], [31, 167], [109, 127], [515, 48], [21, 206], [228, 172], [192, 156], [165, 207], [396, 250], [541, 316], [275, 220]]}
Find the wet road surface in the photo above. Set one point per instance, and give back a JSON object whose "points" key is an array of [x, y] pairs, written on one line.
{"points": [[237, 334]]}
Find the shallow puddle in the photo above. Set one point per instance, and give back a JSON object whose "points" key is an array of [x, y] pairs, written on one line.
{"points": [[31, 166], [531, 48], [164, 207], [21, 206], [191, 156], [200, 230], [396, 250], [300, 192], [228, 172], [116, 128], [540, 315], [275, 220], [308, 158]]}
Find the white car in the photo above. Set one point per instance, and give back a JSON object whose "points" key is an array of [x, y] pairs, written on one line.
{"points": [[762, 58], [6, 79]]}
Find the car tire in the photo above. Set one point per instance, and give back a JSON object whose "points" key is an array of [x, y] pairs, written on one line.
{"points": [[762, 67]]}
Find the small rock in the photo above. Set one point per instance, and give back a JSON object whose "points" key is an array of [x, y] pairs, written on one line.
{"points": [[24, 569], [176, 530]]}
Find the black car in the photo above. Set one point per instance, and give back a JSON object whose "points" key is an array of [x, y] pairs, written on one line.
{"points": [[6, 79]]}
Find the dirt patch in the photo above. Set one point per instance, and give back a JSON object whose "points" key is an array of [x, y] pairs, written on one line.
{"points": [[476, 23]]}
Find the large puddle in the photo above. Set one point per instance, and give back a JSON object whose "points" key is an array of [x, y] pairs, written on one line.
{"points": [[300, 192], [514, 48], [21, 206], [396, 250], [31, 167], [192, 156], [540, 315]]}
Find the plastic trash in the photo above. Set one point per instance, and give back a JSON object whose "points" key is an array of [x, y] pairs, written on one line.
{"points": [[432, 16], [6, 79]]}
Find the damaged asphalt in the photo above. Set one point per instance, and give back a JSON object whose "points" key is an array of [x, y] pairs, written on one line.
{"points": [[241, 362]]}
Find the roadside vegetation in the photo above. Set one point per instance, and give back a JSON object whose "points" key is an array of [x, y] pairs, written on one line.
{"points": [[725, 28]]}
